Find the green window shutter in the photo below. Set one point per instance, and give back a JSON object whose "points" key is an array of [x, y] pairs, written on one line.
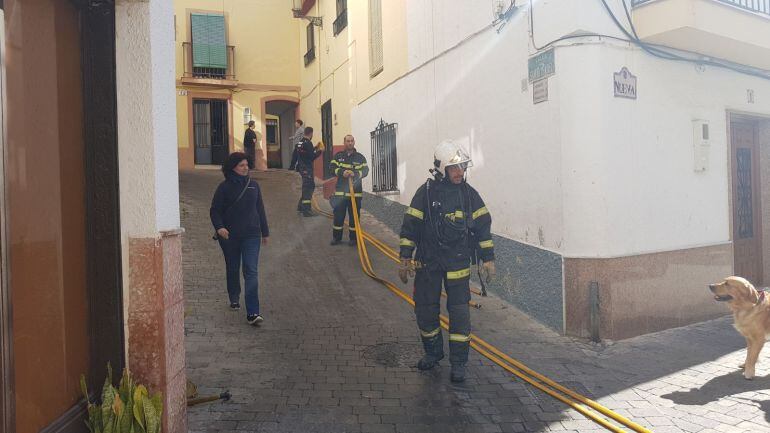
{"points": [[217, 42], [200, 40], [209, 44]]}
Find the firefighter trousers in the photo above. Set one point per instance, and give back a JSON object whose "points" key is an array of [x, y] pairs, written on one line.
{"points": [[342, 207], [427, 296], [308, 186]]}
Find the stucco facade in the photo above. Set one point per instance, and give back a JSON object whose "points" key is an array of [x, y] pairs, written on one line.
{"points": [[607, 184], [265, 63]]}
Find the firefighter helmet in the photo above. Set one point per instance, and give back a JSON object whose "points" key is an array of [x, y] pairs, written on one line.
{"points": [[449, 153]]}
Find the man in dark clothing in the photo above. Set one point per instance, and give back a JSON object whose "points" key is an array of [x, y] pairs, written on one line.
{"points": [[449, 225], [296, 138], [306, 154], [347, 164], [250, 144]]}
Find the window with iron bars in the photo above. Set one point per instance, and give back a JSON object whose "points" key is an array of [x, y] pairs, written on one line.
{"points": [[342, 16], [384, 159], [310, 54]]}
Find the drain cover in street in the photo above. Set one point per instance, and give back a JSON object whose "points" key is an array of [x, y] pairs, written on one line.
{"points": [[393, 354]]}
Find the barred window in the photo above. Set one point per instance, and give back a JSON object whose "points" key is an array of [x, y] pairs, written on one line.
{"points": [[342, 16], [310, 54], [384, 159]]}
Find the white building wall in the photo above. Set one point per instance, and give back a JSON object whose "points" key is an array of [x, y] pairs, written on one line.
{"points": [[639, 192], [136, 152], [149, 189], [164, 115], [512, 143], [584, 174]]}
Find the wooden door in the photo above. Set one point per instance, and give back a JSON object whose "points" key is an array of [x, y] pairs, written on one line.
{"points": [[747, 221], [61, 311], [6, 396], [45, 183]]}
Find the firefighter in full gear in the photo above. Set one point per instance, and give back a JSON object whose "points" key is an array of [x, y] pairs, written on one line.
{"points": [[449, 226], [347, 163], [306, 154]]}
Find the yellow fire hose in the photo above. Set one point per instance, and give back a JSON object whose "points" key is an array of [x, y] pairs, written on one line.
{"points": [[543, 383], [389, 252]]}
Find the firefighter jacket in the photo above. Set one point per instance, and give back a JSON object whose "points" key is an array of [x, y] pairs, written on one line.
{"points": [[449, 225], [306, 154], [354, 162]]}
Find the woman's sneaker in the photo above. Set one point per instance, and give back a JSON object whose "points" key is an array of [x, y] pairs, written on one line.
{"points": [[235, 306], [254, 319]]}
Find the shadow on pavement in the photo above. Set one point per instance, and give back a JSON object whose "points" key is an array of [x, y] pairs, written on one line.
{"points": [[727, 385]]}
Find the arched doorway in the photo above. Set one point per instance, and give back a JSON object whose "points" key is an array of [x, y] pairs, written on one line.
{"points": [[279, 114]]}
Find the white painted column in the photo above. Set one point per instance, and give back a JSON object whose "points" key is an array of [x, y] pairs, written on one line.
{"points": [[149, 187], [149, 202]]}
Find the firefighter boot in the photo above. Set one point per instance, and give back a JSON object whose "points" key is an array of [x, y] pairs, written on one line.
{"points": [[458, 357], [434, 352]]}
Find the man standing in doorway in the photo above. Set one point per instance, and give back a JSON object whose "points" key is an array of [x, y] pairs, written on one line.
{"points": [[296, 138], [346, 164], [250, 144], [449, 225], [306, 154]]}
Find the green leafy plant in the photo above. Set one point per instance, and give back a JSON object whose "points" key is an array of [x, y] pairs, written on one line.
{"points": [[127, 409]]}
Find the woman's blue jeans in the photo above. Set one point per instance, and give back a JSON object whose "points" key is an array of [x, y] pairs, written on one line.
{"points": [[246, 250]]}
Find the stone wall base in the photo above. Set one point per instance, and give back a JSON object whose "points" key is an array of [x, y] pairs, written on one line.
{"points": [[645, 293], [156, 354]]}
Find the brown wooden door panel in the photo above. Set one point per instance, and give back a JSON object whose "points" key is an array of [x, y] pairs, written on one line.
{"points": [[747, 217], [46, 209]]}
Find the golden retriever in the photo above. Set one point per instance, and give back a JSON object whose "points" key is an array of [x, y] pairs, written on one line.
{"points": [[751, 311]]}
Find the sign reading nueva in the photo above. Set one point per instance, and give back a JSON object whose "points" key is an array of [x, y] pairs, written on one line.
{"points": [[624, 83]]}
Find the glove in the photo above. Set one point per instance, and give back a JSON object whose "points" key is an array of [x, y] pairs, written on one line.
{"points": [[406, 270], [488, 271]]}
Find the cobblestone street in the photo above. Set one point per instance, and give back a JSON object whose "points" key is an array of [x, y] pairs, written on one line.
{"points": [[336, 350]]}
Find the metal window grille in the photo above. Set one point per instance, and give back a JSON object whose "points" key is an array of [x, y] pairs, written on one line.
{"points": [[384, 158], [310, 54], [342, 16]]}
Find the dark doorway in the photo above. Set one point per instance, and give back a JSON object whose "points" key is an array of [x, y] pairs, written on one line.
{"points": [[747, 210], [273, 143], [326, 136], [210, 128], [279, 132]]}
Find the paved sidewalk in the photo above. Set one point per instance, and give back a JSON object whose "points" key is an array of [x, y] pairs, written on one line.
{"points": [[336, 350]]}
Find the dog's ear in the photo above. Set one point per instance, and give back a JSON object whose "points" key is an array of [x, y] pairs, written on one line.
{"points": [[753, 294]]}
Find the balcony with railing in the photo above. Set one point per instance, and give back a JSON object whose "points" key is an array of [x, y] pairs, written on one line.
{"points": [[208, 76], [342, 21], [757, 6], [733, 30]]}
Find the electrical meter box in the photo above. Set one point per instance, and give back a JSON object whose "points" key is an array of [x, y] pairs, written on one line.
{"points": [[701, 144]]}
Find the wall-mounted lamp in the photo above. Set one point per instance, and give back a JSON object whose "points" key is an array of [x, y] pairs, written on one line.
{"points": [[296, 9]]}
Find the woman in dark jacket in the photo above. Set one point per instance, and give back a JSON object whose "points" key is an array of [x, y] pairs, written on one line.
{"points": [[238, 216]]}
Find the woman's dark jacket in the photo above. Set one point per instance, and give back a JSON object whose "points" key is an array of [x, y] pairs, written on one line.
{"points": [[246, 218]]}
